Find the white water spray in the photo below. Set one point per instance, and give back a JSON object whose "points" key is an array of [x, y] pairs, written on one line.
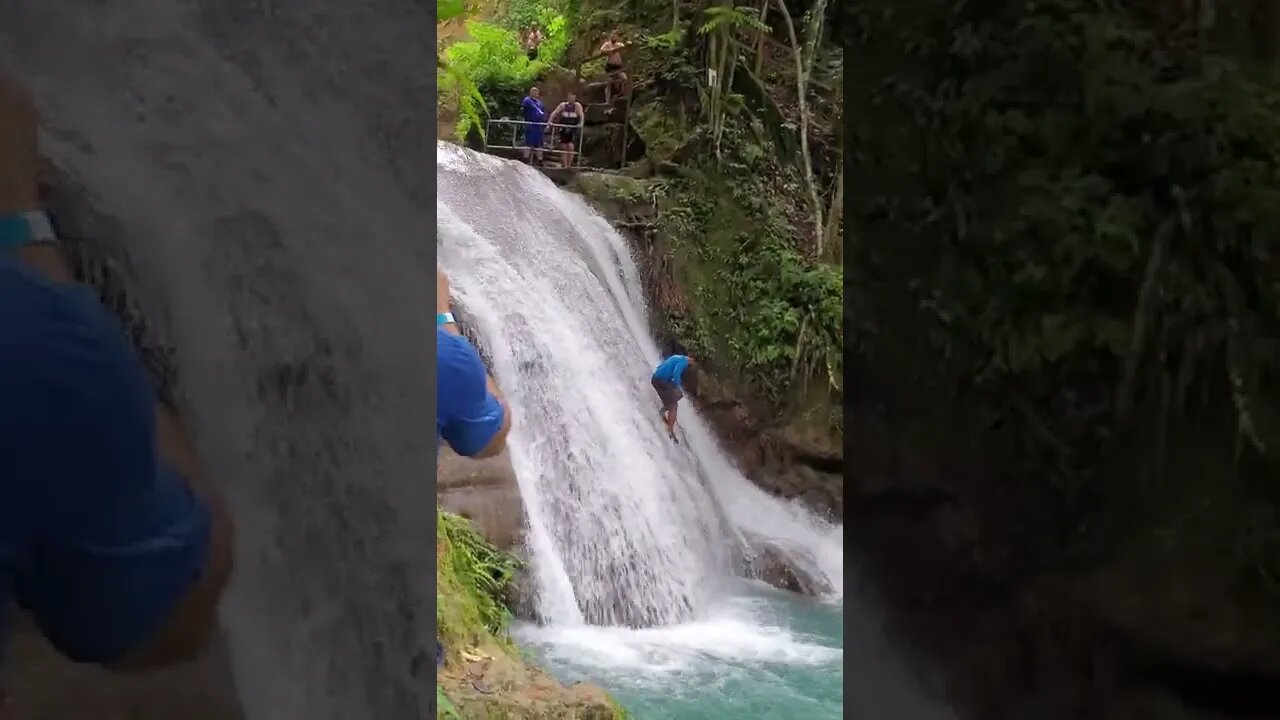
{"points": [[625, 527]]}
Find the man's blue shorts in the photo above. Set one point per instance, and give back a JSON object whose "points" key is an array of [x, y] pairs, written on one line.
{"points": [[99, 539], [533, 135]]}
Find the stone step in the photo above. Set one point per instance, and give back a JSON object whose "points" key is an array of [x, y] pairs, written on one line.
{"points": [[602, 145]]}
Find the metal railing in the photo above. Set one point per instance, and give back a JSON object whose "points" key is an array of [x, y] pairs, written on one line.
{"points": [[546, 147]]}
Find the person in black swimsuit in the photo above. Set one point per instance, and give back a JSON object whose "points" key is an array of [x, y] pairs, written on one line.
{"points": [[569, 112]]}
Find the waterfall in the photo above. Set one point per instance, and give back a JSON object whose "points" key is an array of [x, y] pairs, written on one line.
{"points": [[267, 166], [625, 526]]}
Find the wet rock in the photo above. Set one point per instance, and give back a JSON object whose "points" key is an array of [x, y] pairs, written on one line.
{"points": [[639, 169], [624, 200], [783, 565], [600, 113], [602, 146], [821, 492], [485, 492]]}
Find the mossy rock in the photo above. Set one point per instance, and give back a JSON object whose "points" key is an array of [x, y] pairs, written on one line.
{"points": [[669, 139], [611, 187], [623, 200]]}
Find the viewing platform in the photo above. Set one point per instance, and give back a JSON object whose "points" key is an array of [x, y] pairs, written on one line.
{"points": [[601, 143]]}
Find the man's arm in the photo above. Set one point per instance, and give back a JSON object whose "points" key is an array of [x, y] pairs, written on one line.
{"points": [[555, 114]]}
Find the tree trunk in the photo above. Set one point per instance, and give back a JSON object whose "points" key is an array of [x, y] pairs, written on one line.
{"points": [[833, 239], [726, 82], [713, 88], [806, 158], [813, 34], [760, 36]]}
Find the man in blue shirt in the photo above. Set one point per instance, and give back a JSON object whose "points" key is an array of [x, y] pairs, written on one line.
{"points": [[110, 537], [666, 380], [471, 414], [532, 110]]}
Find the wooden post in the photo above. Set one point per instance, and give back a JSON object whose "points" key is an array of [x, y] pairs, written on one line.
{"points": [[626, 121]]}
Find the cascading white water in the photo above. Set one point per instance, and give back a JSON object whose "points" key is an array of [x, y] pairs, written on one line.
{"points": [[625, 527]]}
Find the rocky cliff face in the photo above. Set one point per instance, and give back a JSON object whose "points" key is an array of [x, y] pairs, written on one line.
{"points": [[799, 456], [485, 492]]}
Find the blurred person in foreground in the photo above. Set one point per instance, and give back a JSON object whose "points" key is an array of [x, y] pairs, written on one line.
{"points": [[111, 538], [471, 414]]}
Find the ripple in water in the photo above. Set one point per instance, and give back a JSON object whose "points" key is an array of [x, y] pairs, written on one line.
{"points": [[758, 655]]}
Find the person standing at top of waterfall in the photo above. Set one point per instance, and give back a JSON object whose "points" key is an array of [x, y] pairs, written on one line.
{"points": [[111, 537], [532, 39], [568, 113], [668, 380], [535, 117], [611, 49], [471, 413]]}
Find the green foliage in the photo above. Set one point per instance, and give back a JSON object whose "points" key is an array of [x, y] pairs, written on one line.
{"points": [[454, 85], [477, 577], [555, 18], [664, 42], [731, 18], [491, 70], [762, 306], [493, 58], [1086, 209], [449, 9]]}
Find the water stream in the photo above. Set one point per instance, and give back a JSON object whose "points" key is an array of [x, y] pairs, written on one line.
{"points": [[632, 537]]}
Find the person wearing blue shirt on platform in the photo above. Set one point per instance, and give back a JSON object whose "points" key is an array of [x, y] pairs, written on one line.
{"points": [[667, 378], [532, 110], [111, 539], [471, 414]]}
